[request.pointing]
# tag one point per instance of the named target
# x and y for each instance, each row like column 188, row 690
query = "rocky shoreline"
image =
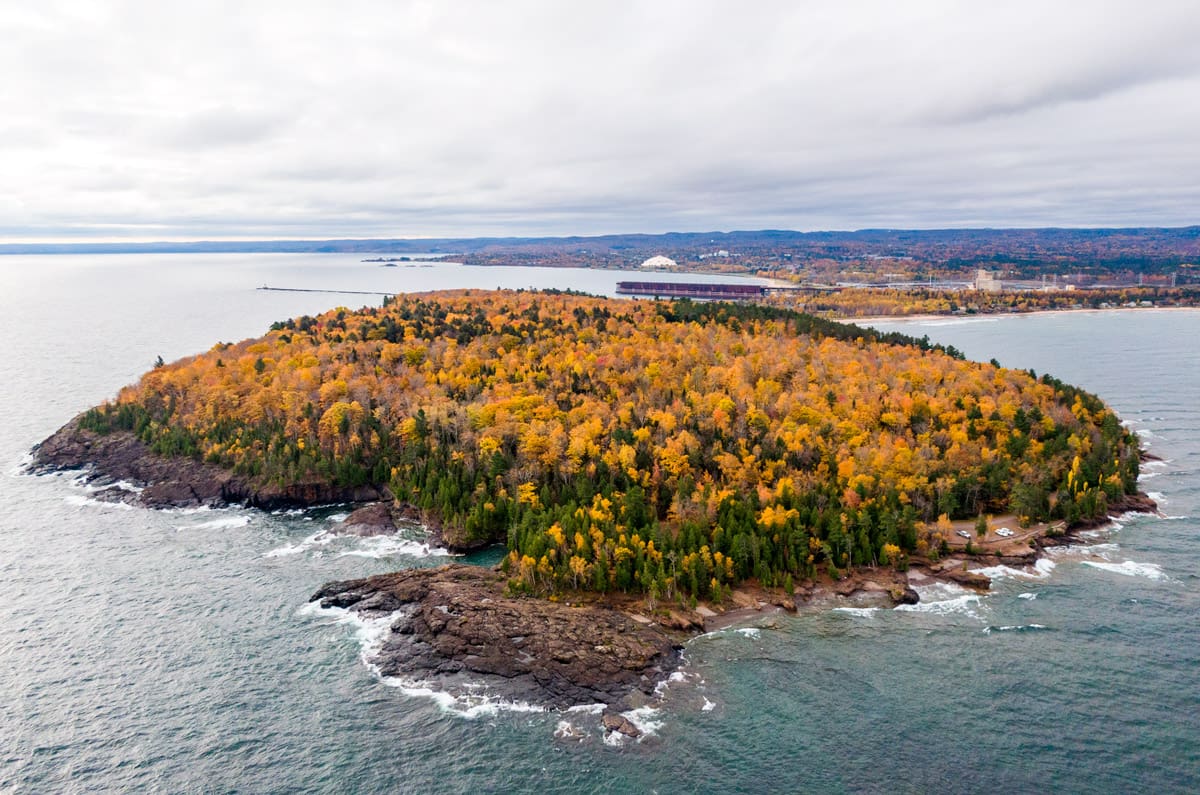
column 457, row 627
column 161, row 482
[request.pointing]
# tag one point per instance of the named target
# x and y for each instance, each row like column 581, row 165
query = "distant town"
column 848, row 274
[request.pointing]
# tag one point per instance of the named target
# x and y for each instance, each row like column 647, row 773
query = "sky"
column 212, row 120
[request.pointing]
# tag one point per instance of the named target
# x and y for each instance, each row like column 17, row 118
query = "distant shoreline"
column 925, row 318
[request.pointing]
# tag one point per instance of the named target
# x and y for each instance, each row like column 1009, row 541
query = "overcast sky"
column 203, row 119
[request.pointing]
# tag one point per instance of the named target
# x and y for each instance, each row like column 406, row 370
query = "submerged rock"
column 455, row 625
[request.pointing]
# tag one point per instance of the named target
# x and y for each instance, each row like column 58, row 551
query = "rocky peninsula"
column 456, row 625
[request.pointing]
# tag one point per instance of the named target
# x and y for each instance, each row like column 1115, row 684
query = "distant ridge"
column 1135, row 246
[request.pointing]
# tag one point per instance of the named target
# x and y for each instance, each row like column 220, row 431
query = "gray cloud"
column 391, row 118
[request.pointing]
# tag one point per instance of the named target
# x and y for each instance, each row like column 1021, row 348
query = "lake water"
column 174, row 652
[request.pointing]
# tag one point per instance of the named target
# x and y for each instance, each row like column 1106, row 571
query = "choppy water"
column 172, row 651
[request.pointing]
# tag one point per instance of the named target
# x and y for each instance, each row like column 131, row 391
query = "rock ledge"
column 454, row 625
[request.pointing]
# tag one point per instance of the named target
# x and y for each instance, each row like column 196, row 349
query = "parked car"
column 964, row 533
column 1004, row 531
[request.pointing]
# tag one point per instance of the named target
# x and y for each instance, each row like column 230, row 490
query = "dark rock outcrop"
column 968, row 579
column 456, row 540
column 174, row 482
column 375, row 519
column 454, row 625
column 616, row 722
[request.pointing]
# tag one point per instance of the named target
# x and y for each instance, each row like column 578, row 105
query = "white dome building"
column 659, row 262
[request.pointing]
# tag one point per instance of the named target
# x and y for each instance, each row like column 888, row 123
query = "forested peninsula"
column 666, row 453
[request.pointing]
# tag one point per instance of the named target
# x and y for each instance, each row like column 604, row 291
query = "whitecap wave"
column 470, row 706
column 944, row 599
column 317, row 539
column 565, row 730
column 390, row 546
column 81, row 480
column 1099, row 532
column 289, row 512
column 371, row 632
column 359, row 546
column 1027, row 595
column 81, row 501
column 1044, row 566
column 22, row 466
column 1040, row 570
column 1014, row 628
column 676, row 677
column 749, row 632
column 647, row 719
column 223, row 523
column 190, row 511
column 708, row 705
column 1130, row 568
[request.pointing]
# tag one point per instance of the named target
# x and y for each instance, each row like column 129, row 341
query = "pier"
column 315, row 290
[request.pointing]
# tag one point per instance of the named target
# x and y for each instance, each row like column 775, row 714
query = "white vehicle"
column 964, row 533
column 1004, row 531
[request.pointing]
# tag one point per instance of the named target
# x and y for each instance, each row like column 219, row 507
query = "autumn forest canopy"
column 670, row 449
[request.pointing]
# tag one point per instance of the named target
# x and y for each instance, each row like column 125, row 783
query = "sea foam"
column 81, row 501
column 318, row 539
column 385, row 546
column 372, row 631
column 223, row 523
column 22, row 466
column 944, row 599
column 389, row 546
column 1130, row 568
column 469, row 706
column 1015, row 628
column 1038, row 571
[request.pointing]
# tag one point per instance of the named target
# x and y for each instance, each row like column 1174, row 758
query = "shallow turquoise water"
column 171, row 651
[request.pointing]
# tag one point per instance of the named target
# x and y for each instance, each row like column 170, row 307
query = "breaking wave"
column 371, row 632
column 1038, row 571
column 1015, row 628
column 1130, row 568
column 944, row 599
